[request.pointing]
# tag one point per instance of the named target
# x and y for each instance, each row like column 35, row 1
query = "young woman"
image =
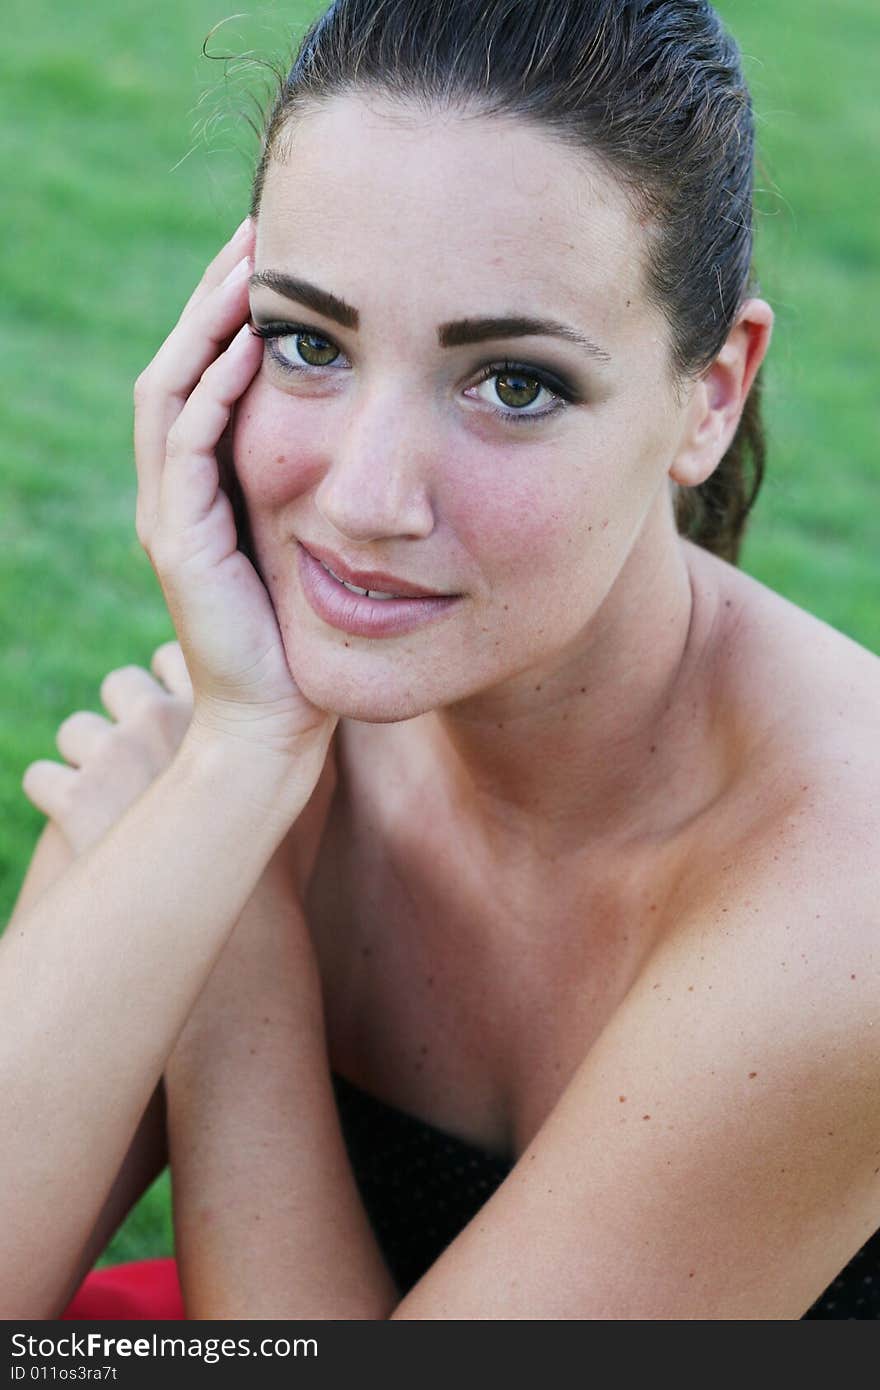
column 499, row 942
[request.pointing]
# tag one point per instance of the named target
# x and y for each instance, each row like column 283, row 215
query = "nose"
column 377, row 481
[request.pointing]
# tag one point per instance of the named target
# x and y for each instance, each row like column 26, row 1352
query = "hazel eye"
column 518, row 386
column 311, row 347
column 295, row 348
column 517, row 389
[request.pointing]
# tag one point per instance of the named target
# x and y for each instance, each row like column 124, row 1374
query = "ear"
column 717, row 401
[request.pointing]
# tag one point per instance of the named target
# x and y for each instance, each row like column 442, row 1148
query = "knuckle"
column 166, row 660
column 116, row 677
column 45, row 784
column 142, row 530
column 175, row 443
column 41, row 785
column 142, row 387
column 214, row 374
column 162, row 553
column 171, row 648
column 70, row 724
column 32, row 775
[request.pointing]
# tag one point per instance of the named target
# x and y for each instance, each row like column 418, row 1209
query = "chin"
column 382, row 700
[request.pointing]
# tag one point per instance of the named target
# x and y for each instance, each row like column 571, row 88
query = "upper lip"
column 377, row 580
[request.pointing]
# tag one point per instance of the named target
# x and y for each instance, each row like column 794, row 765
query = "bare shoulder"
column 802, row 826
column 788, row 666
column 804, row 697
column 781, row 913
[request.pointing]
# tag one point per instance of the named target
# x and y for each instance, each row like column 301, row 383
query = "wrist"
column 278, row 785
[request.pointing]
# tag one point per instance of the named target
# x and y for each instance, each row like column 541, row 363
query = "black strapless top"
column 420, row 1187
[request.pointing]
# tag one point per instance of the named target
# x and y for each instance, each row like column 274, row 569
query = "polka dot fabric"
column 420, row 1187
column 855, row 1293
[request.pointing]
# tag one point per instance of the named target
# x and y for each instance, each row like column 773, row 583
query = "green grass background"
column 125, row 161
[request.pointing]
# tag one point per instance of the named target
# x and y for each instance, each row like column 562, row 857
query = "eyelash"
column 565, row 396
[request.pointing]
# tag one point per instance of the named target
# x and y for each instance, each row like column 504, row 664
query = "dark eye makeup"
column 564, row 393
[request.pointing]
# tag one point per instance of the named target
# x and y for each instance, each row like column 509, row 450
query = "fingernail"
column 240, row 230
column 243, row 333
column 238, row 272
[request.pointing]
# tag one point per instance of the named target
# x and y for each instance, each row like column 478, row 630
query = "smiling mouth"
column 370, row 613
column 353, row 588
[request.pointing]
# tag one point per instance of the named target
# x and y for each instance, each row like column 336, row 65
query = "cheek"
column 521, row 525
column 275, row 459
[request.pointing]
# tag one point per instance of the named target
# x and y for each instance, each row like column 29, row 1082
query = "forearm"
column 268, row 1219
column 96, row 981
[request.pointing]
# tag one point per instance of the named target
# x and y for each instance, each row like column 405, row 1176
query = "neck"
column 616, row 740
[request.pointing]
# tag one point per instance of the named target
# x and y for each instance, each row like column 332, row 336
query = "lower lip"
column 362, row 616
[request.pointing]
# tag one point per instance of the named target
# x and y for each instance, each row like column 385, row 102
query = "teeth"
column 369, row 593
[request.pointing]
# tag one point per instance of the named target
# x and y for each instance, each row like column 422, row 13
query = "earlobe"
column 720, row 394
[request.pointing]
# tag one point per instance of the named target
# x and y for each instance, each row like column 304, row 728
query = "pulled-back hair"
column 652, row 89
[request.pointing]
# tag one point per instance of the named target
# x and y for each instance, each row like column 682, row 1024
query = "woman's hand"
column 111, row 762
column 242, row 685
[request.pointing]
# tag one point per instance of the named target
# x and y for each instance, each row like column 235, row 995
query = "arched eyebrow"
column 454, row 334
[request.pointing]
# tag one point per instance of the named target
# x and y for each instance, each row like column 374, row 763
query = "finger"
column 169, row 665
column 238, row 245
column 190, row 478
column 163, row 389
column 80, row 735
column 47, row 785
column 124, row 689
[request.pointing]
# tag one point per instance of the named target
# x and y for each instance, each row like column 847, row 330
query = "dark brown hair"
column 653, row 89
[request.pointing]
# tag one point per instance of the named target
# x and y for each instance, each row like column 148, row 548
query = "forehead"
column 448, row 208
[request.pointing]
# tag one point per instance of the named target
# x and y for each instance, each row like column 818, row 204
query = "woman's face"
column 383, row 444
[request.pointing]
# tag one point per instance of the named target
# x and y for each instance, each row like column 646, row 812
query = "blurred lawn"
column 125, row 163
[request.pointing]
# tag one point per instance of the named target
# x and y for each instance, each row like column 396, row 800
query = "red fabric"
column 144, row 1289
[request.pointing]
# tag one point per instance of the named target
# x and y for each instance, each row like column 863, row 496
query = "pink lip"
column 362, row 616
column 371, row 579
